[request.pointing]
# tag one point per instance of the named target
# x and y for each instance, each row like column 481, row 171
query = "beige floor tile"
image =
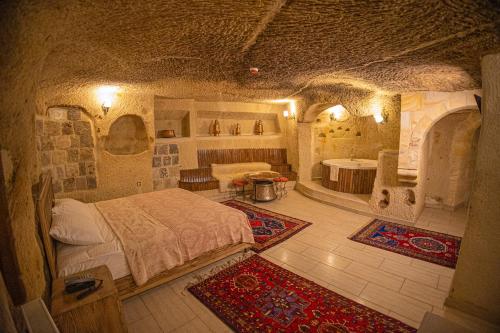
column 359, row 256
column 134, row 309
column 294, row 259
column 213, row 322
column 433, row 268
column 294, row 246
column 401, row 304
column 375, row 275
column 167, row 307
column 405, row 320
column 339, row 279
column 306, row 276
column 410, row 272
column 320, row 243
column 145, row 325
column 444, row 283
column 359, row 300
column 424, row 293
column 327, row 258
column 194, row 326
column 389, row 255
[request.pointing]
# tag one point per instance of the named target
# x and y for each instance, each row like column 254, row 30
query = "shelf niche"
column 176, row 120
column 228, row 121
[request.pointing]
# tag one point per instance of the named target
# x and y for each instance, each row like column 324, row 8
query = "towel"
column 334, row 173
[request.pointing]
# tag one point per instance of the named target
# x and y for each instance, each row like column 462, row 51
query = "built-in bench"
column 201, row 179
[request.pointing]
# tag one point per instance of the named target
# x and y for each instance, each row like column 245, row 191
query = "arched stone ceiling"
column 298, row 45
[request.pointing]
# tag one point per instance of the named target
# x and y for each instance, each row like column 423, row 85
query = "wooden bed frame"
column 125, row 285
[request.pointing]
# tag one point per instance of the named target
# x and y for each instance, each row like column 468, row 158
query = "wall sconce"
column 379, row 115
column 381, row 118
column 336, row 112
column 289, row 115
column 106, row 96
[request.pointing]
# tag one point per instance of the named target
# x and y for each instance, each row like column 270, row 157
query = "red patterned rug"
column 256, row 295
column 435, row 247
column 269, row 228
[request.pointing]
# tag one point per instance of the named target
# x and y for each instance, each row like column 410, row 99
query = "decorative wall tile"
column 66, row 149
column 165, row 166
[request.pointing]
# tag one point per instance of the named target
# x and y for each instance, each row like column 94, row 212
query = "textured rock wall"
column 391, row 198
column 476, row 287
column 419, row 112
column 357, row 136
column 451, row 160
column 340, row 139
column 56, row 51
column 127, row 136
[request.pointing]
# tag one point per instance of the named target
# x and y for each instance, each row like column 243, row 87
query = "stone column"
column 476, row 284
column 306, row 149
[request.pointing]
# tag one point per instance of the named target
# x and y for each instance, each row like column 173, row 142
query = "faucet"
column 351, row 155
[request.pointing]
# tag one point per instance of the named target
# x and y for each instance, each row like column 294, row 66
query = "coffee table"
column 263, row 185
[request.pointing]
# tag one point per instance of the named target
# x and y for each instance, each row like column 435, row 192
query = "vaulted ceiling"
column 394, row 45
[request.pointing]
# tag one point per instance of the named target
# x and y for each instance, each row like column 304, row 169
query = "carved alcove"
column 127, row 136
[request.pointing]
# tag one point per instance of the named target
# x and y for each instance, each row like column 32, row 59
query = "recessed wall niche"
column 65, row 146
column 127, row 136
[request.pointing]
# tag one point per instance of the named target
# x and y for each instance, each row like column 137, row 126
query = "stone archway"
column 419, row 112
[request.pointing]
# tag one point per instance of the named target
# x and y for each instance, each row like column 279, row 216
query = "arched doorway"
column 452, row 142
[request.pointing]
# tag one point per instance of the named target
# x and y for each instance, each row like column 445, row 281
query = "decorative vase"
column 259, row 127
column 216, row 128
column 237, row 130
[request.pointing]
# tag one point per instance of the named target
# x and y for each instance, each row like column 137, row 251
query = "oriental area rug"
column 256, row 295
column 435, row 247
column 269, row 228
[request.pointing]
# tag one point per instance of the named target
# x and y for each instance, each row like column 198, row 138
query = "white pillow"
column 73, row 223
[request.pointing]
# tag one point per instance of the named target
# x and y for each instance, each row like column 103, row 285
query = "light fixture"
column 291, row 112
column 336, row 112
column 289, row 115
column 106, row 96
column 379, row 118
column 378, row 112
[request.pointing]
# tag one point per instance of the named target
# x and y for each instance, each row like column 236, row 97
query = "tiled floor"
column 399, row 286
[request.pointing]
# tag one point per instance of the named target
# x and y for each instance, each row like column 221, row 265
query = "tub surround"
column 349, row 175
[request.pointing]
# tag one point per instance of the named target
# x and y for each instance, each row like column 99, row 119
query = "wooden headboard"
column 44, row 204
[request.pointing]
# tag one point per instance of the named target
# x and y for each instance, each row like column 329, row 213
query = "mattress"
column 76, row 258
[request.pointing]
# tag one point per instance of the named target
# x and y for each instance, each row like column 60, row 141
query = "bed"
column 196, row 236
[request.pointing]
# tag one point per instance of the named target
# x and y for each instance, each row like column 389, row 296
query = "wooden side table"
column 99, row 312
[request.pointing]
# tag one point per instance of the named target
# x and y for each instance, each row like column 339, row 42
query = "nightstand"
column 99, row 312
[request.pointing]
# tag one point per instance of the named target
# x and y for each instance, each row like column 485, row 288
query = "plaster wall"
column 476, row 287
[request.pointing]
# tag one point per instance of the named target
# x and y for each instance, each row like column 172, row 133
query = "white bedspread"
column 157, row 231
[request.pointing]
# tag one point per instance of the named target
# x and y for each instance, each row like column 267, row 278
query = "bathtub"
column 350, row 176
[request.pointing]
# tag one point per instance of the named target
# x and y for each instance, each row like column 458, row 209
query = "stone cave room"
column 250, row 166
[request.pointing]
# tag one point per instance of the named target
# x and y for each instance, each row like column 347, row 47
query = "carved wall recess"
column 127, row 136
column 410, row 197
column 386, row 200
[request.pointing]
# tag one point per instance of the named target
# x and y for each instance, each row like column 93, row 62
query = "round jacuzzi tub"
column 349, row 175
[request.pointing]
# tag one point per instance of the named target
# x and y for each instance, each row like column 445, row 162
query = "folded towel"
column 334, row 173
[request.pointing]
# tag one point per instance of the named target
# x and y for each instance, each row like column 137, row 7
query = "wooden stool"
column 280, row 183
column 239, row 187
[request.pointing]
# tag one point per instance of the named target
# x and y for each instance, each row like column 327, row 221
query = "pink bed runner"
column 163, row 229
